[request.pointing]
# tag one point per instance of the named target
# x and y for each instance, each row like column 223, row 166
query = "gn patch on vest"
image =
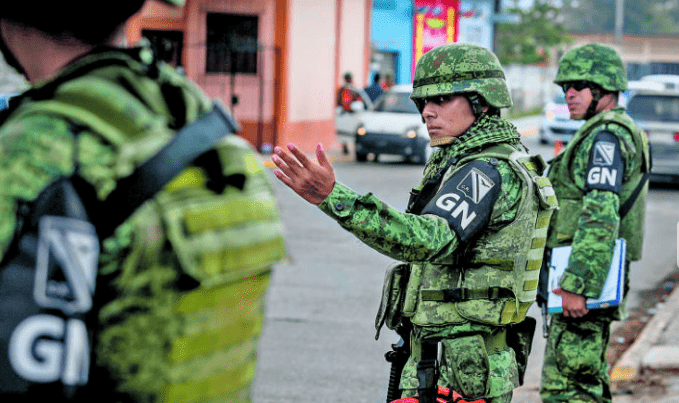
column 466, row 200
column 605, row 169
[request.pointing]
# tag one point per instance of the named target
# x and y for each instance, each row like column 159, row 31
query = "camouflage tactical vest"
column 564, row 222
column 179, row 298
column 494, row 279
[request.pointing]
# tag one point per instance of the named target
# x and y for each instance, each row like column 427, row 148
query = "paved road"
column 318, row 340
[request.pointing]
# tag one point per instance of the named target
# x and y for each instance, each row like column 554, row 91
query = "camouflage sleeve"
column 33, row 153
column 409, row 237
column 599, row 221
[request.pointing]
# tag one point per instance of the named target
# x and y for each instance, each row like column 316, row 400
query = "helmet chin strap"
column 596, row 97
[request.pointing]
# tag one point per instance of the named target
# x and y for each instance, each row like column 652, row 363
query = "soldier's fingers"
column 284, row 178
column 276, row 159
column 301, row 157
column 322, row 157
column 290, row 161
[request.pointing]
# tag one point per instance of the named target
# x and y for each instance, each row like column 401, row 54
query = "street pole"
column 619, row 18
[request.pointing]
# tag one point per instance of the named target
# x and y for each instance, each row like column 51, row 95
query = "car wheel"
column 361, row 157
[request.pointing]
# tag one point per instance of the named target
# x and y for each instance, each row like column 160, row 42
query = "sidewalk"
column 648, row 371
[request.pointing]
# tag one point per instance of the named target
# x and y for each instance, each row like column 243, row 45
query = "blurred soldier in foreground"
column 471, row 240
column 137, row 233
column 600, row 182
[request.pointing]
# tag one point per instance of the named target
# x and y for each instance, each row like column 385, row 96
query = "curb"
column 628, row 367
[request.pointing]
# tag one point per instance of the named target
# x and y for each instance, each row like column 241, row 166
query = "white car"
column 657, row 113
column 347, row 122
column 393, row 127
column 669, row 81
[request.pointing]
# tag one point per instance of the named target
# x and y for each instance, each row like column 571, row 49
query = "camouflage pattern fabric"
column 592, row 223
column 414, row 238
column 469, row 364
column 593, row 62
column 575, row 368
column 181, row 284
column 460, row 68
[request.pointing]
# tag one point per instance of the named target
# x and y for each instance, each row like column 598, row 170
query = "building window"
column 168, row 45
column 231, row 43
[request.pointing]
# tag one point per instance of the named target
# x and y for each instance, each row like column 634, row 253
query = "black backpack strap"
column 149, row 178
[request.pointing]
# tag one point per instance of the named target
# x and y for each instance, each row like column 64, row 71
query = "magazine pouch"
column 393, row 295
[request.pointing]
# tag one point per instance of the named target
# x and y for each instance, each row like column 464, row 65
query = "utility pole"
column 619, row 18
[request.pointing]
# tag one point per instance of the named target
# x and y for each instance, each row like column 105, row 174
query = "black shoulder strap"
column 627, row 206
column 150, row 177
column 419, row 199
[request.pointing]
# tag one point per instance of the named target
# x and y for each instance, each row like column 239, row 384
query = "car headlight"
column 412, row 132
column 550, row 115
column 361, row 131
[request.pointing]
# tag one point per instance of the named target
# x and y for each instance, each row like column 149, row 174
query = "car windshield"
column 397, row 102
column 654, row 108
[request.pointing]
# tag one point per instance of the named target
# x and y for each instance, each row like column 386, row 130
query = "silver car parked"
column 657, row 113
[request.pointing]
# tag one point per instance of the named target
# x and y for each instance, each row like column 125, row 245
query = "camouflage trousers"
column 575, row 369
column 474, row 361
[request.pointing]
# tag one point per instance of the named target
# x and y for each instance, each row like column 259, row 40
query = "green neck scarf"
column 486, row 131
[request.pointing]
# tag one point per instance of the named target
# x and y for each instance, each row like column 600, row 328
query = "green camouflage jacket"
column 589, row 219
column 419, row 239
column 180, row 286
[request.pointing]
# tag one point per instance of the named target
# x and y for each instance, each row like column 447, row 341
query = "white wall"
column 311, row 59
column 352, row 41
column 530, row 86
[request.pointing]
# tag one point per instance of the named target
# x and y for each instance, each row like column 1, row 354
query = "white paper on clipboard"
column 612, row 292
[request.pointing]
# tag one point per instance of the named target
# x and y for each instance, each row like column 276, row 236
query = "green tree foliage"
column 530, row 41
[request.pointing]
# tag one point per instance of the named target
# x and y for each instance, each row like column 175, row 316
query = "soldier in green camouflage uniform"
column 180, row 284
column 472, row 236
column 594, row 177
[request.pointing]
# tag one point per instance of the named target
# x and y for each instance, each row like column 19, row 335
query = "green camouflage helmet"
column 593, row 62
column 461, row 68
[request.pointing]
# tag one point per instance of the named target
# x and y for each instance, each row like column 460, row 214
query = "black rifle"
column 398, row 356
column 543, row 290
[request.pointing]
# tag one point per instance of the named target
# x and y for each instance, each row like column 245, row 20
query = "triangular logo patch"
column 475, row 185
column 66, row 266
column 603, row 153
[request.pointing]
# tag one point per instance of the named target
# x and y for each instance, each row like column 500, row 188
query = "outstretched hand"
column 312, row 181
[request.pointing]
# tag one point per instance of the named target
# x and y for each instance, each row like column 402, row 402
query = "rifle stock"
column 398, row 356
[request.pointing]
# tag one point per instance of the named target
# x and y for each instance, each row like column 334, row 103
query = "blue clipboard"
column 612, row 292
